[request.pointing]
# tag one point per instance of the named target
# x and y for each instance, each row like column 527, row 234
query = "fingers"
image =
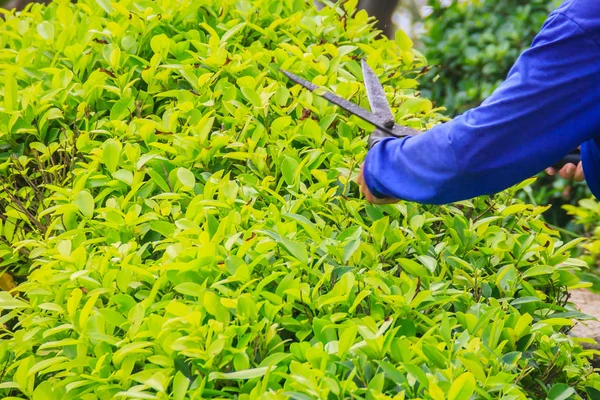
column 364, row 189
column 360, row 179
column 385, row 201
column 568, row 171
column 579, row 177
column 374, row 200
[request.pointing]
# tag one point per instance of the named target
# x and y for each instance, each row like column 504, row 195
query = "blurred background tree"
column 381, row 10
column 19, row 5
column 473, row 44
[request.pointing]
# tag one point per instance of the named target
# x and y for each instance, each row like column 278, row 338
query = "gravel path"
column 588, row 303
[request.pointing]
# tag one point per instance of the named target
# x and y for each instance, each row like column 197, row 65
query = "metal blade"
column 376, row 94
column 345, row 104
column 382, row 123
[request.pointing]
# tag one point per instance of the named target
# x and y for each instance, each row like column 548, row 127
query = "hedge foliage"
column 183, row 222
column 586, row 213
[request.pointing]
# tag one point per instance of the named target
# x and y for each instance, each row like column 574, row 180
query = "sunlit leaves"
column 85, row 203
column 191, row 227
column 462, row 388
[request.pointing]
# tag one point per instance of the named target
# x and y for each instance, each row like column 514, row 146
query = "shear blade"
column 368, row 116
column 376, row 94
column 382, row 117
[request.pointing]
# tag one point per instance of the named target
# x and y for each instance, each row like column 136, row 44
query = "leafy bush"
column 557, row 192
column 473, row 44
column 189, row 226
column 586, row 213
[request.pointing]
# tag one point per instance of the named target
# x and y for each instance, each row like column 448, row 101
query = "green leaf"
column 289, row 169
column 312, row 130
column 85, row 203
column 418, row 373
column 186, row 177
column 525, row 300
column 46, row 30
column 296, row 249
column 404, row 42
column 124, row 175
column 42, row 365
column 560, row 391
column 413, row 268
column 190, row 289
column 160, row 43
column 392, row 372
column 111, row 154
column 252, row 96
column 51, row 307
column 593, row 393
column 538, row 270
column 308, row 226
column 511, row 358
column 239, row 375
column 463, row 387
column 347, row 339
column 10, row 93
column 163, row 227
column 122, row 109
column 106, row 5
column 417, row 222
column 435, row 356
column 282, row 95
column 44, row 391
column 159, row 180
column 180, row 386
column 349, row 249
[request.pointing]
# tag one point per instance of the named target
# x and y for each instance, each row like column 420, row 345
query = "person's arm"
column 548, row 105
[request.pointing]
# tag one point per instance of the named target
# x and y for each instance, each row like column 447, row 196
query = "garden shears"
column 381, row 115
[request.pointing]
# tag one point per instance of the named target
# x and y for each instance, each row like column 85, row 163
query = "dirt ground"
column 588, row 303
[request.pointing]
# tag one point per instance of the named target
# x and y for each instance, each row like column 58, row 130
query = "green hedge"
column 586, row 213
column 185, row 223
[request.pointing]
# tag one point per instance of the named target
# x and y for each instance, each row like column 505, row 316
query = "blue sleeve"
column 548, row 105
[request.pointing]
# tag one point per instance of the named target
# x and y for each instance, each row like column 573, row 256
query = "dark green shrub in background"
column 471, row 46
column 186, row 224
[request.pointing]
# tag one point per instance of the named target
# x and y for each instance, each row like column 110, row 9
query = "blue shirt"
column 548, row 105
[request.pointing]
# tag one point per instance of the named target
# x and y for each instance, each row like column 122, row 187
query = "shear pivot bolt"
column 389, row 123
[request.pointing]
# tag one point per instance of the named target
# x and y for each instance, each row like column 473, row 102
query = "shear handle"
column 571, row 158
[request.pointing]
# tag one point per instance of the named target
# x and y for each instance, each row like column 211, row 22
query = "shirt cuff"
column 590, row 156
column 370, row 168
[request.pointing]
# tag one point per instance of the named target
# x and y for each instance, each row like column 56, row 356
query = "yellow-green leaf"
column 404, row 42
column 10, row 93
column 463, row 387
column 85, row 203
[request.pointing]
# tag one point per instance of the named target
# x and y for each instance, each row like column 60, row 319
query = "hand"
column 569, row 171
column 367, row 193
